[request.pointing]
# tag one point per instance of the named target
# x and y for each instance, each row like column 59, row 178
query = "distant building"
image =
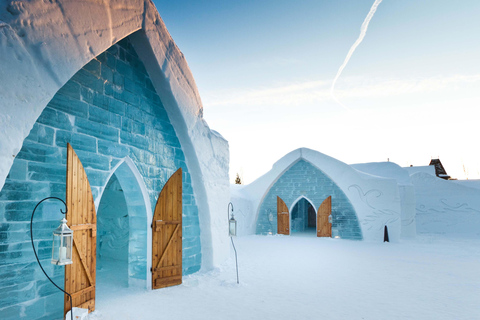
column 439, row 169
column 309, row 192
column 435, row 167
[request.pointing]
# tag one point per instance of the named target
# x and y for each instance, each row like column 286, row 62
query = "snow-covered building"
column 108, row 79
column 445, row 206
column 405, row 188
column 299, row 185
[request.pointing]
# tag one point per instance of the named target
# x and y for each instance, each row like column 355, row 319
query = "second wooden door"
column 324, row 227
column 167, row 235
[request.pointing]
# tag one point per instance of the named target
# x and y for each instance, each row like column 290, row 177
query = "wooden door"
column 167, row 235
column 283, row 217
column 81, row 217
column 324, row 228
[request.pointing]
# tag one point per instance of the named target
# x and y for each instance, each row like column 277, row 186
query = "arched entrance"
column 123, row 233
column 112, row 239
column 303, row 217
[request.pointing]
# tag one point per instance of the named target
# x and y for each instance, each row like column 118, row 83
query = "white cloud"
column 314, row 92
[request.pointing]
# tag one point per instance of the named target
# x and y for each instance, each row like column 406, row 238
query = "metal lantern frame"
column 63, row 236
column 64, row 224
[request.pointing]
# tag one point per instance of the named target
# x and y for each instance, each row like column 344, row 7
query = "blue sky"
column 264, row 70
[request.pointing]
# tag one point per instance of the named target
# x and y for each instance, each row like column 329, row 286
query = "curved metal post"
column 35, row 252
column 231, row 238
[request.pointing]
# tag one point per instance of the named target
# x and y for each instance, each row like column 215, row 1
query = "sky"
column 264, row 70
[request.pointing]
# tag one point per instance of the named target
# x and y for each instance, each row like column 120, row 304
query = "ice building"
column 307, row 191
column 107, row 80
column 406, row 191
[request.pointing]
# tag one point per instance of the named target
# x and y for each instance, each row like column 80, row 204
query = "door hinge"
column 151, row 270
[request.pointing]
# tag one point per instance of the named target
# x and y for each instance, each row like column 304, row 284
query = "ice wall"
column 44, row 43
column 446, row 207
column 111, row 114
column 303, row 179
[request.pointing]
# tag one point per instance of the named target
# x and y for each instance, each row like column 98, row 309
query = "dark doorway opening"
column 304, row 217
column 112, row 239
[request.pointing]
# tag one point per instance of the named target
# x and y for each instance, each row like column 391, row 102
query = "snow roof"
column 386, row 170
column 425, row 169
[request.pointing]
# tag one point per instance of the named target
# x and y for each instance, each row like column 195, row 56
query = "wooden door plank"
column 84, row 262
column 167, row 234
column 80, row 275
column 324, row 228
column 168, row 246
column 283, row 217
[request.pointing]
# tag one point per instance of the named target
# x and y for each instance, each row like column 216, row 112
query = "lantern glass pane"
column 69, row 246
column 55, row 246
column 232, row 230
column 62, row 245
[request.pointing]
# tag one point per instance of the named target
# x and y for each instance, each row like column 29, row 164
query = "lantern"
column 232, row 226
column 62, row 244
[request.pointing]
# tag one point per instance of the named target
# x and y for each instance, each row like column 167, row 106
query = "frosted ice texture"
column 107, row 111
column 303, row 179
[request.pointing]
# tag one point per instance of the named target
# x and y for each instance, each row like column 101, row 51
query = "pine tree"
column 238, row 180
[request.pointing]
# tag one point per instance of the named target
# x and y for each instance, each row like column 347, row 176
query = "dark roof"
column 439, row 169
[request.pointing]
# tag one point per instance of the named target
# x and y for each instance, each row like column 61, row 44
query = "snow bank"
column 376, row 200
column 43, row 44
column 446, row 207
column 287, row 278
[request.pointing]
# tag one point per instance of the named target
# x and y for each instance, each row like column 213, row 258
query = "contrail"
column 363, row 31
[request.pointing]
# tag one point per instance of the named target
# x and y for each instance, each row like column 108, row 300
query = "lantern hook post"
column 231, row 238
column 35, row 252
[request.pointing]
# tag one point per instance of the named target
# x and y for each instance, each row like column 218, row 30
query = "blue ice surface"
column 107, row 111
column 303, row 179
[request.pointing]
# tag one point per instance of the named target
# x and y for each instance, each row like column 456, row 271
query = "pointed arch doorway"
column 112, row 239
column 303, row 217
column 123, row 232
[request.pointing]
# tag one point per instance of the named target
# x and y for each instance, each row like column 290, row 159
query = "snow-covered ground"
column 304, row 277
